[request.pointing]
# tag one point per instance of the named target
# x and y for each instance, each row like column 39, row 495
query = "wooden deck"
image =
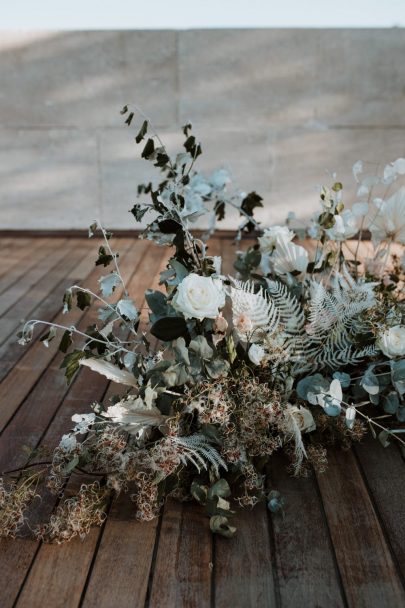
column 342, row 539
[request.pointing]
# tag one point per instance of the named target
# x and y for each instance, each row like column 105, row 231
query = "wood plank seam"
column 380, row 519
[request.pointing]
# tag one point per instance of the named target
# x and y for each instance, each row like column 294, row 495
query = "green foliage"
column 71, row 364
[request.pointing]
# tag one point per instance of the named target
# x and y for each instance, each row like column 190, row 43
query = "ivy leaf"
column 129, row 119
column 49, row 336
column 83, row 299
column 250, row 202
column 66, row 341
column 219, row 210
column 138, row 211
column 148, row 150
column 162, row 159
column 169, row 226
column 186, row 128
column 142, row 132
column 67, row 301
column 169, row 328
column 109, row 283
column 71, row 364
column 104, row 258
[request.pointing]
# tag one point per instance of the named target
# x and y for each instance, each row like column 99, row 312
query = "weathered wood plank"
column 23, row 308
column 183, row 567
column 384, row 470
column 81, row 552
column 10, row 351
column 368, row 572
column 304, row 555
column 86, row 388
column 243, row 566
column 18, row 383
column 121, row 570
column 40, row 269
column 134, row 571
column 26, row 259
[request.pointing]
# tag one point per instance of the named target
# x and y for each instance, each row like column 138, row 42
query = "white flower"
column 392, row 342
column 256, row 354
column 199, row 297
column 302, row 417
column 68, row 443
column 273, row 235
column 289, row 257
column 84, row 422
column 389, row 221
column 345, row 226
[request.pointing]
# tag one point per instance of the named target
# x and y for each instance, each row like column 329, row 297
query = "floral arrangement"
column 303, row 348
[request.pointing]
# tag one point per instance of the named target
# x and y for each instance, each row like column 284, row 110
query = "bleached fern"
column 292, row 319
column 252, row 309
column 199, row 451
column 334, row 320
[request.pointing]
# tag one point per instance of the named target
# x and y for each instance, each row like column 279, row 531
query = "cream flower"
column 256, row 354
column 199, row 297
column 302, row 417
column 273, row 235
column 243, row 324
column 389, row 221
column 392, row 342
column 289, row 257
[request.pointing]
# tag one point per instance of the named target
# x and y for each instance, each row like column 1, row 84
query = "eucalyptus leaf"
column 219, row 524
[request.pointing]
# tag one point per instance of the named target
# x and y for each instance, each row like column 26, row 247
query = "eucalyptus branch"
column 107, row 304
column 154, row 131
column 71, row 329
column 114, row 257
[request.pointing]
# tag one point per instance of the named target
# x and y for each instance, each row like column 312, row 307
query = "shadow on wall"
column 277, row 107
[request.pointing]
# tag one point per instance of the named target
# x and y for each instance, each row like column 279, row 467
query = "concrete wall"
column 278, row 107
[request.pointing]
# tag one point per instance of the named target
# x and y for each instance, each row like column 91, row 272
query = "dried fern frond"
column 199, row 451
column 253, row 312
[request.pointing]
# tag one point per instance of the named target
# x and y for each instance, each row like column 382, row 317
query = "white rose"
column 302, row 416
column 392, row 342
column 272, row 236
column 199, row 297
column 256, row 354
